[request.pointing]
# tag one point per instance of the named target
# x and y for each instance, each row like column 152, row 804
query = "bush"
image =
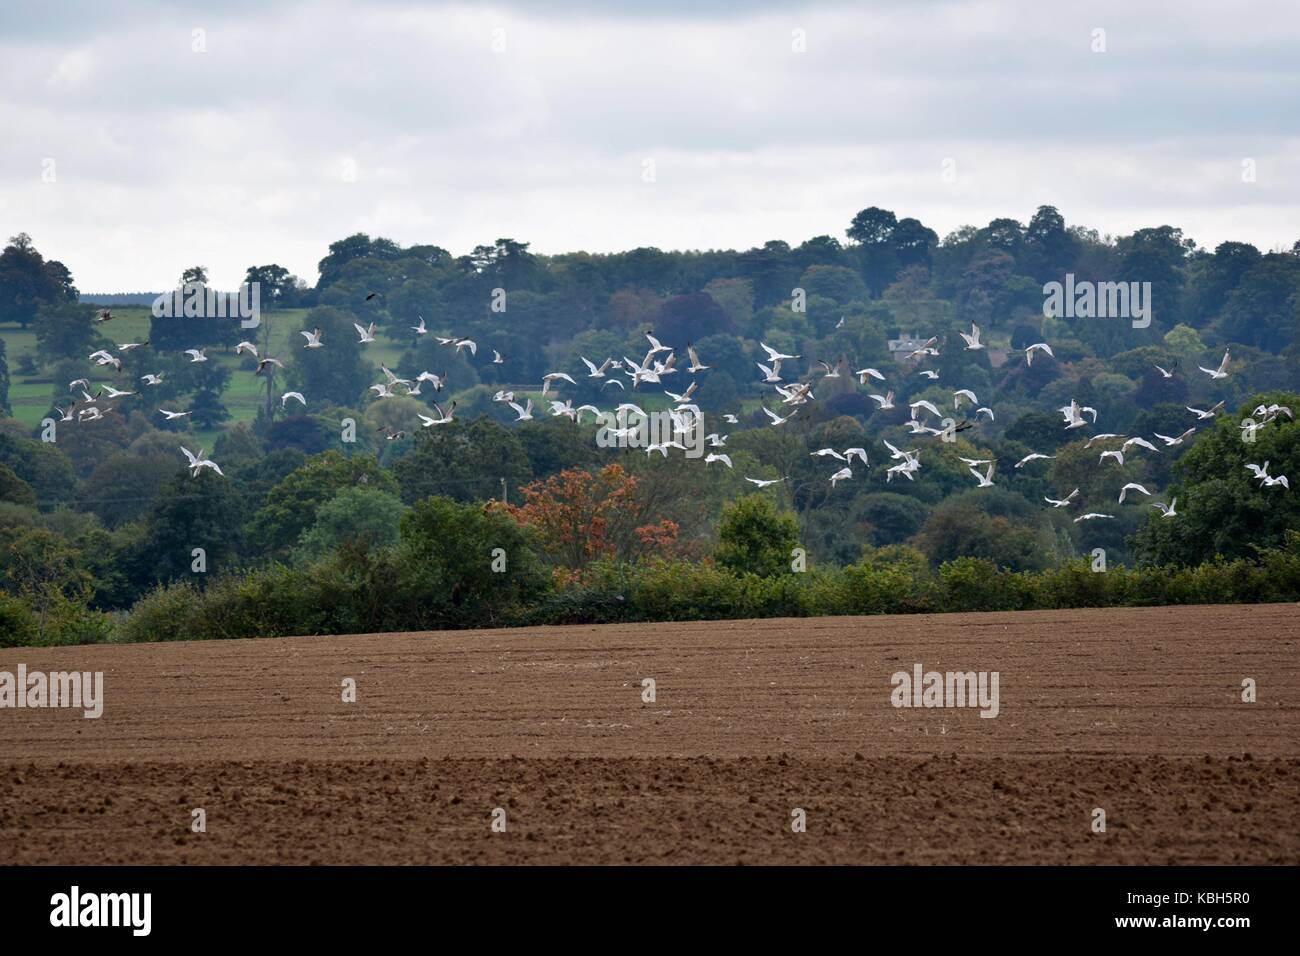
column 755, row 537
column 973, row 584
column 164, row 614
column 879, row 587
column 17, row 623
column 64, row 621
column 441, row 576
column 463, row 565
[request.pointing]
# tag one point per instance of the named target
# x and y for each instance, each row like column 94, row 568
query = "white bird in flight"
column 655, row 345
column 1032, row 456
column 1172, row 442
column 1037, row 347
column 777, row 419
column 443, row 417
column 1062, row 502
column 1132, row 486
column 592, row 370
column 986, row 479
column 1140, row 442
column 696, row 365
column 198, row 462
column 1221, row 371
column 972, row 340
column 550, row 377
column 773, row 355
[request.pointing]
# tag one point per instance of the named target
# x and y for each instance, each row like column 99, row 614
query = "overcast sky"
column 306, row 122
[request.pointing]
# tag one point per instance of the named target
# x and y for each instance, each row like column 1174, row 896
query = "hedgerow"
column 404, row 589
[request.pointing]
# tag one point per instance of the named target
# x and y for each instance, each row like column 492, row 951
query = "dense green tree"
column 836, row 283
column 44, row 568
column 41, row 464
column 338, row 372
column 1213, row 277
column 688, row 318
column 891, row 518
column 464, row 564
column 290, row 507
column 4, row 382
column 207, row 410
column 1262, row 309
column 123, row 486
column 1222, row 508
column 963, row 527
column 13, row 488
column 1050, row 249
column 28, row 281
column 1039, row 431
column 755, row 537
column 360, row 515
column 463, row 461
column 189, row 513
column 278, row 288
column 66, row 331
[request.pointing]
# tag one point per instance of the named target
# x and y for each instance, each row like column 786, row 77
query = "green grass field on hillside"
column 31, row 396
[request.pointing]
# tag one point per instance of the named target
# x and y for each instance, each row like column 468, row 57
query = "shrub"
column 17, row 623
column 755, row 537
column 892, row 580
column 463, row 565
column 973, row 584
column 441, row 576
column 58, row 620
column 164, row 614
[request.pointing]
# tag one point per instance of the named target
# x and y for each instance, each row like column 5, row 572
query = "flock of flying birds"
column 685, row 416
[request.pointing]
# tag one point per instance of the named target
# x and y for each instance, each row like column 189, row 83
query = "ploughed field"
column 1136, row 712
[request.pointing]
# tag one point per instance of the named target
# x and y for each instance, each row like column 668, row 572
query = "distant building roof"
column 900, row 347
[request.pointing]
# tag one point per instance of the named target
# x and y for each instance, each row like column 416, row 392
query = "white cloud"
column 235, row 156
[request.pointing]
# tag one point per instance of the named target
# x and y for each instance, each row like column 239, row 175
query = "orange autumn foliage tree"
column 578, row 517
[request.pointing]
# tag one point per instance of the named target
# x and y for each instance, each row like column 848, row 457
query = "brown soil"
column 1135, row 711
